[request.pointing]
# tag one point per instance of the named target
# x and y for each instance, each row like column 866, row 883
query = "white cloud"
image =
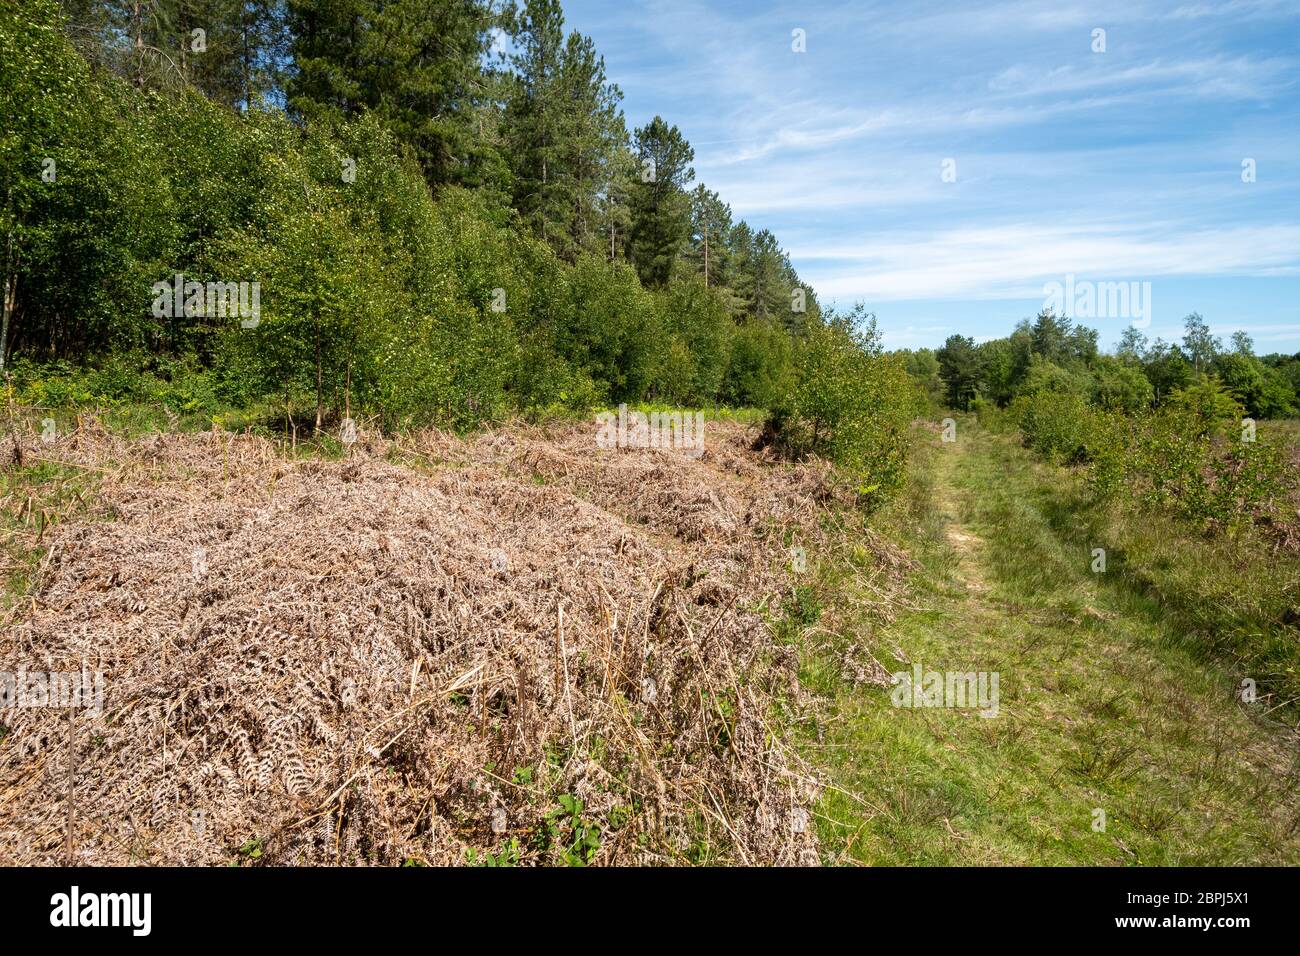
column 1226, row 77
column 1015, row 261
column 1123, row 165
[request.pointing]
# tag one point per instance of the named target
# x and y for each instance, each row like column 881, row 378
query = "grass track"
column 1104, row 704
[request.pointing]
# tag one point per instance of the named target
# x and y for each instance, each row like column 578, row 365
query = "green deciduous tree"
column 1201, row 347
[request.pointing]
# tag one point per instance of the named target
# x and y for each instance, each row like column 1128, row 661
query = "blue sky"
column 1115, row 166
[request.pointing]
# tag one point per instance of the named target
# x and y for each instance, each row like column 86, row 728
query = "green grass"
column 33, row 499
column 1106, row 703
column 1287, row 429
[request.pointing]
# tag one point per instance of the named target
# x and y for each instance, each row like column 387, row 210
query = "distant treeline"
column 433, row 207
column 1160, row 424
column 1054, row 355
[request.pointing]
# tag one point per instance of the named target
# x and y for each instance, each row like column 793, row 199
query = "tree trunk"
column 8, row 295
column 318, row 384
column 248, row 83
column 706, row 257
column 347, row 389
column 138, row 23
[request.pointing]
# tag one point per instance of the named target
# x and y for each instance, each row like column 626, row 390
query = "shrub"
column 988, row 414
column 759, row 370
column 1056, row 424
column 697, row 317
column 1044, row 377
column 849, row 404
column 1171, row 459
column 1121, row 387
column 613, row 329
column 1211, row 408
column 1251, row 483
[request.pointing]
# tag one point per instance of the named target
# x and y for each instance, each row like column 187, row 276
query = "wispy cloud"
column 1015, row 261
column 1238, row 77
column 1112, row 165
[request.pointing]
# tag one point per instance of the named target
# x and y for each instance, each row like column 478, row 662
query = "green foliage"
column 959, row 368
column 612, row 330
column 1044, row 376
column 386, row 287
column 923, row 366
column 1051, row 354
column 697, row 318
column 760, row 371
column 566, row 831
column 661, row 209
column 1198, row 344
column 1261, row 389
column 990, row 416
column 377, row 295
column 564, row 129
column 1120, row 386
column 762, row 279
column 1211, row 409
column 250, row 851
column 798, row 612
column 1050, row 338
column 509, row 855
column 1000, row 368
column 1192, row 457
column 850, row 404
column 120, row 379
column 1205, row 471
column 711, row 225
column 1058, row 424
column 415, row 65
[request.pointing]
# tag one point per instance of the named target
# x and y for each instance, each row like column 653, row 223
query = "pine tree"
column 661, row 209
column 595, row 137
column 534, row 124
column 416, row 63
column 565, row 130
column 959, row 367
column 613, row 205
column 710, row 228
column 246, row 46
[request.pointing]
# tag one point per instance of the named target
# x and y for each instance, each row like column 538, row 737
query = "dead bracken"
column 429, row 651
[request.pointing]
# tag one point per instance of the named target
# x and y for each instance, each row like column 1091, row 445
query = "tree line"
column 1169, row 426
column 494, row 98
column 536, row 134
column 444, row 212
column 1053, row 354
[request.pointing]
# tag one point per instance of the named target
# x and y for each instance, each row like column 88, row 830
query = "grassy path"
column 1102, row 710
